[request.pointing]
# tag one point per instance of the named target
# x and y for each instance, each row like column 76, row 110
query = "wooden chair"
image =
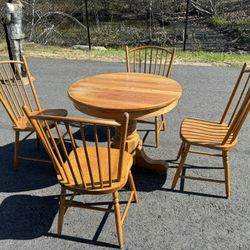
column 16, row 91
column 151, row 60
column 220, row 135
column 97, row 169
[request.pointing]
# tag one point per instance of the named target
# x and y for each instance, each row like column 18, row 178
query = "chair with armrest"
column 151, row 60
column 16, row 91
column 86, row 169
column 220, row 135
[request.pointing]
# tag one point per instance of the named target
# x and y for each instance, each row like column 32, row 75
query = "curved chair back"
column 238, row 105
column 76, row 163
column 150, row 59
column 17, row 90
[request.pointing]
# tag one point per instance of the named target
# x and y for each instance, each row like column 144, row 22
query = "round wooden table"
column 141, row 95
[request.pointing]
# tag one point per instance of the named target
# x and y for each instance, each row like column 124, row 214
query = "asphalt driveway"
column 197, row 217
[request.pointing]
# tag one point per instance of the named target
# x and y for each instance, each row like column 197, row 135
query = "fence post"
column 87, row 22
column 186, row 24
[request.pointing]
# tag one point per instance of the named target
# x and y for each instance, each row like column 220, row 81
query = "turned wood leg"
column 157, row 132
column 118, row 219
column 227, row 172
column 16, row 150
column 132, row 185
column 180, row 167
column 61, row 211
column 180, row 151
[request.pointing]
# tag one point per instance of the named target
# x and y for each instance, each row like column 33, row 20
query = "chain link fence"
column 221, row 25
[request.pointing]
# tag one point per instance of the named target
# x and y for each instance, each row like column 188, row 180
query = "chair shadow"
column 30, row 175
column 147, row 131
column 182, row 181
column 93, row 241
column 149, row 181
column 82, row 240
column 26, row 217
column 181, row 191
column 190, row 166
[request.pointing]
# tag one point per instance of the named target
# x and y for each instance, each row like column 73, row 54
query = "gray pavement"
column 199, row 217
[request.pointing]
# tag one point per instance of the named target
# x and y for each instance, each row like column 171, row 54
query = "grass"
column 118, row 55
column 219, row 21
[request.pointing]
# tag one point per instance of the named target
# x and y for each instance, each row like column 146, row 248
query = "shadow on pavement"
column 147, row 180
column 30, row 175
column 93, row 241
column 82, row 240
column 89, row 133
column 182, row 181
column 26, row 217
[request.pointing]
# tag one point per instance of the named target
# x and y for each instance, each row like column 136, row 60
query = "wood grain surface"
column 125, row 92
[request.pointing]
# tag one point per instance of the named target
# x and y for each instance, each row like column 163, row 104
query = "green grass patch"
column 217, row 21
column 214, row 58
column 118, row 55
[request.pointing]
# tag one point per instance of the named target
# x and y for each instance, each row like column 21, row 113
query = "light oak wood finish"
column 221, row 135
column 87, row 169
column 16, row 91
column 141, row 95
column 152, row 60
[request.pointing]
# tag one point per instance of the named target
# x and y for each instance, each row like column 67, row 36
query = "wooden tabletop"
column 115, row 93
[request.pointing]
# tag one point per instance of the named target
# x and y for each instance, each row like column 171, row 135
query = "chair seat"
column 103, row 153
column 205, row 133
column 24, row 124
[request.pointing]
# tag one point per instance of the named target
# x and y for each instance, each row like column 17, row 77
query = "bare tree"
column 209, row 7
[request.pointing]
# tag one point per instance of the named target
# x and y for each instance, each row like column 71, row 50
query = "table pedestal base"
column 142, row 160
column 135, row 147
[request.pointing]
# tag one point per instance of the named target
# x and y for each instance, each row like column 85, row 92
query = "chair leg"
column 118, row 219
column 132, row 185
column 180, row 151
column 163, row 119
column 61, row 211
column 157, row 132
column 180, row 167
column 16, row 150
column 227, row 172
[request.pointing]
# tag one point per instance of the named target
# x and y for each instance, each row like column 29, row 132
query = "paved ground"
column 199, row 217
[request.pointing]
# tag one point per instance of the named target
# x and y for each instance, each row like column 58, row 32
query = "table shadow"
column 147, row 180
column 89, row 133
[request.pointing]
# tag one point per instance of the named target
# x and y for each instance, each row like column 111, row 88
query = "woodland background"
column 213, row 25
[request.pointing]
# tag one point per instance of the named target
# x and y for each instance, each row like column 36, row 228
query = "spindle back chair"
column 220, row 135
column 17, row 89
column 86, row 169
column 151, row 60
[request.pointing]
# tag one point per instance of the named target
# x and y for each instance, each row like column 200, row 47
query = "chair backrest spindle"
column 88, row 166
column 241, row 108
column 17, row 90
column 150, row 59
